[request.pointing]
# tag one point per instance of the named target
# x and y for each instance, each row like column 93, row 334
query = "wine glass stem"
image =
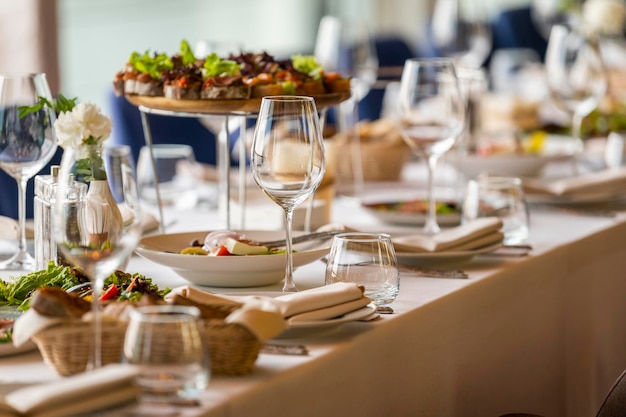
column 430, row 226
column 97, row 285
column 289, row 286
column 577, row 120
column 21, row 213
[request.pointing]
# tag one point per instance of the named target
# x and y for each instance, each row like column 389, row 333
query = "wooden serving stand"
column 205, row 108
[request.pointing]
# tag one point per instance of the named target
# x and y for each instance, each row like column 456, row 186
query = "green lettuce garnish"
column 186, row 53
column 308, row 65
column 215, row 66
column 152, row 65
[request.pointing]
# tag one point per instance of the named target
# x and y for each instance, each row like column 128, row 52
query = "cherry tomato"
column 111, row 293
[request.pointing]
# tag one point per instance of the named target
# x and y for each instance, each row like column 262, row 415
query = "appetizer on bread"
column 185, row 76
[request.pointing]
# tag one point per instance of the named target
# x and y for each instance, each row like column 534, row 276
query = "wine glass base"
column 21, row 261
column 289, row 288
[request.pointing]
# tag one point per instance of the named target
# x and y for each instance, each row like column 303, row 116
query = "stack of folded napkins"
column 103, row 388
column 322, row 303
column 608, row 181
column 476, row 234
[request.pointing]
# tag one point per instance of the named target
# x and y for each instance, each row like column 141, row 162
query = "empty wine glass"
column 91, row 230
column 287, row 159
column 546, row 14
column 459, row 31
column 27, row 143
column 575, row 75
column 432, row 116
column 347, row 47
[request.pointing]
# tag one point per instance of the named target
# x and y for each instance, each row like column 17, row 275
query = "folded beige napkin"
column 475, row 234
column 608, row 181
column 322, row 303
column 105, row 387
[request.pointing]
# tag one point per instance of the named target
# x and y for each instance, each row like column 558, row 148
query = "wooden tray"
column 222, row 107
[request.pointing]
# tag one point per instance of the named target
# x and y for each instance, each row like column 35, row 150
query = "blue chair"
column 128, row 130
column 515, row 28
column 391, row 51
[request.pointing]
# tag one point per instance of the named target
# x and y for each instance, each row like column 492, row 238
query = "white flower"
column 605, row 16
column 83, row 122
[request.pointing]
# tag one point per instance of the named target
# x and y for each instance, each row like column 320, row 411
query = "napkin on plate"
column 105, row 387
column 608, row 181
column 475, row 234
column 322, row 303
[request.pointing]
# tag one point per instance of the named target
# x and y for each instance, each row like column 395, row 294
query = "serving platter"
column 227, row 271
column 222, row 106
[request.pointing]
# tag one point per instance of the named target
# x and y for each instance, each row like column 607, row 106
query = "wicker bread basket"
column 67, row 347
column 383, row 152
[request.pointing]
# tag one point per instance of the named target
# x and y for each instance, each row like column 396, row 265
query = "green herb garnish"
column 59, row 105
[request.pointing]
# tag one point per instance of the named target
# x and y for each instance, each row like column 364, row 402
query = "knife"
column 302, row 238
column 434, row 273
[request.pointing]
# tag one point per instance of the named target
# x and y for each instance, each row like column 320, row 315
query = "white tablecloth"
column 542, row 334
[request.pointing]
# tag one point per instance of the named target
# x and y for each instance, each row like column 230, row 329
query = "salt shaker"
column 45, row 194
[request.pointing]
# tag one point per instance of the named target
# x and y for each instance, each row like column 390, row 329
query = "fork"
column 427, row 272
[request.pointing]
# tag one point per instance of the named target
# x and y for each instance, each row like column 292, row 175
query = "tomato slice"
column 111, row 293
column 221, row 251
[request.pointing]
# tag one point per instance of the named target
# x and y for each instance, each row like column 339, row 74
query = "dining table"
column 539, row 332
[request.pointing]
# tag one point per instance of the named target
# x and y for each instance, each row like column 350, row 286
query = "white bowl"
column 226, row 271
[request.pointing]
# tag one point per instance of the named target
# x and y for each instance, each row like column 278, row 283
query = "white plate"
column 7, row 349
column 226, row 271
column 393, row 216
column 446, row 257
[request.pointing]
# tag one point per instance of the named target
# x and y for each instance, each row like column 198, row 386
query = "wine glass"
column 287, row 159
column 347, row 47
column 575, row 75
column 460, row 33
column 545, row 14
column 432, row 116
column 27, row 143
column 98, row 253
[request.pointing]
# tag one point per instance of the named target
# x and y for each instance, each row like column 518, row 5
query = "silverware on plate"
column 302, row 238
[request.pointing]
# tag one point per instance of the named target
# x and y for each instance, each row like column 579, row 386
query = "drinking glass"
column 166, row 180
column 501, row 197
column 575, row 75
column 97, row 252
column 287, row 160
column 118, row 158
column 27, row 143
column 367, row 259
column 432, row 116
column 165, row 343
column 460, row 33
